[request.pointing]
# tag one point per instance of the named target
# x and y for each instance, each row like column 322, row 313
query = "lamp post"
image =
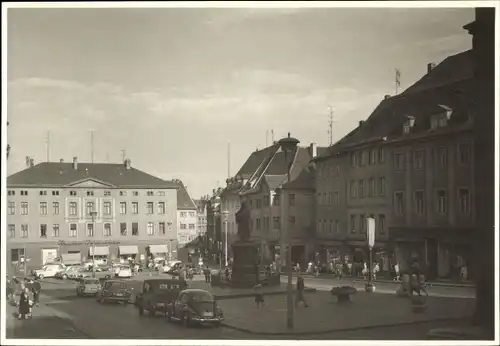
column 289, row 145
column 225, row 213
column 93, row 214
column 370, row 223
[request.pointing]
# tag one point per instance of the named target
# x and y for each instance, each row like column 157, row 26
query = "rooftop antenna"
column 272, row 136
column 398, row 80
column 330, row 125
column 47, row 142
column 124, row 154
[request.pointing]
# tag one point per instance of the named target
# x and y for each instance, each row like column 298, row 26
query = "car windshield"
column 124, row 268
column 201, row 297
column 92, row 282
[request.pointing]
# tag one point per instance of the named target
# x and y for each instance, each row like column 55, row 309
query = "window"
column 381, row 223
column 276, row 200
column 90, row 208
column 406, row 129
column 276, row 222
column 43, row 231
column 73, row 208
column 107, row 208
column 353, row 223
column 250, row 203
column 12, row 208
column 361, row 184
column 464, row 153
column 337, row 226
column 150, row 207
column 353, row 160
column 24, row 208
column 251, row 224
column 150, row 193
column 123, row 193
column 161, row 228
column 55, row 193
column 362, row 224
column 258, row 203
column 192, row 226
column 123, row 228
column 72, row 193
column 336, row 198
column 135, row 193
column 291, row 199
column 135, row 208
column 183, row 226
column 319, row 198
column 323, row 226
column 43, row 193
column 373, row 157
column 399, row 162
column 90, row 193
column 381, row 186
column 265, row 201
column 419, row 203
column 257, row 224
column 441, row 202
column 464, row 200
column 192, row 214
column 442, row 155
column 73, row 230
column 11, row 193
column 55, row 207
column 24, row 193
column 399, row 203
column 266, row 222
column 371, row 187
column 123, row 208
column 183, row 214
column 107, row 193
column 90, row 230
column 418, row 159
column 330, row 226
column 161, row 208
column 381, row 155
column 12, row 231
column 161, row 193
column 135, row 228
column 292, row 222
column 353, row 189
column 362, row 159
column 107, row 230
column 24, row 231
column 43, row 208
column 55, row 230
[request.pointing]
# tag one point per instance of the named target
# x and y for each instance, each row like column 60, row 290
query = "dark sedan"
column 195, row 307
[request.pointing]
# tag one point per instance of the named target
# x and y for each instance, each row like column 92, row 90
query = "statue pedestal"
column 245, row 268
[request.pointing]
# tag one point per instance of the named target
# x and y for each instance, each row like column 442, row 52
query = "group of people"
column 29, row 294
column 299, row 294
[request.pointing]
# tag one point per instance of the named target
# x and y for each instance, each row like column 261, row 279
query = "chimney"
column 61, row 160
column 313, row 149
column 386, row 97
column 32, row 162
column 430, row 67
column 361, row 122
column 411, row 121
column 75, row 162
column 127, row 163
column 28, row 159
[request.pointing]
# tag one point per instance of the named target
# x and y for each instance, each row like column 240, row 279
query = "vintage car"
column 114, row 291
column 156, row 294
column 88, row 287
column 48, row 271
column 65, row 273
column 195, row 306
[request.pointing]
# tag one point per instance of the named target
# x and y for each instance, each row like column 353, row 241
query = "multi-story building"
column 201, row 225
column 258, row 183
column 409, row 165
column 186, row 216
column 110, row 211
column 214, row 225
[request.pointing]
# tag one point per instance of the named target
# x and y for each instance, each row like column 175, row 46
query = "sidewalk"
column 324, row 315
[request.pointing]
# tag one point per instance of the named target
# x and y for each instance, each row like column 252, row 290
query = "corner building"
column 55, row 209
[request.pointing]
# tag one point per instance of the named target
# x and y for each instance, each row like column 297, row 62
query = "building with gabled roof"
column 409, row 166
column 57, row 209
column 187, row 215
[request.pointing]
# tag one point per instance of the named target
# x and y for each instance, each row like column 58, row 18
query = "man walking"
column 300, row 292
column 206, row 272
column 36, row 289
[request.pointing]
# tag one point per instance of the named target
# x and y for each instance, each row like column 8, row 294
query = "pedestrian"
column 397, row 272
column 206, row 272
column 226, row 274
column 10, row 291
column 36, row 289
column 299, row 297
column 310, row 267
column 463, row 272
column 24, row 303
column 364, row 272
column 376, row 269
column 349, row 268
column 259, row 297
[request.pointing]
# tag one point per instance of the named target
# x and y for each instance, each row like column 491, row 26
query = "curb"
column 338, row 330
column 430, row 284
column 250, row 295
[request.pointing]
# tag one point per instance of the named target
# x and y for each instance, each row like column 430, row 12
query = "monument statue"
column 243, row 221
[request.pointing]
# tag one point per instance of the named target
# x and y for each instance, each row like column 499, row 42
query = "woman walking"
column 24, row 304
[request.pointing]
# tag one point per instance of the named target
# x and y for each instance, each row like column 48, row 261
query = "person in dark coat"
column 206, row 272
column 24, row 304
column 259, row 297
column 299, row 297
column 36, row 289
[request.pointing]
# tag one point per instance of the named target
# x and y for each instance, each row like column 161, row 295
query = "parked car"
column 64, row 274
column 114, row 291
column 157, row 293
column 124, row 272
column 171, row 265
column 195, row 306
column 76, row 272
column 88, row 287
column 48, row 271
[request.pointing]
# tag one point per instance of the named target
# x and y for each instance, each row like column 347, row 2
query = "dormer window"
column 406, row 128
column 439, row 120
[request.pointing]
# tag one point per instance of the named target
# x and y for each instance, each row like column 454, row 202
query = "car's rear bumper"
column 207, row 320
column 116, row 299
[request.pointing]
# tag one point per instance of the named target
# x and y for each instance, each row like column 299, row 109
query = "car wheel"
column 40, row 276
column 64, row 277
column 107, row 277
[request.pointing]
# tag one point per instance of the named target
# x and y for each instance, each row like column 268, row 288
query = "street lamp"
column 225, row 213
column 289, row 145
column 370, row 223
column 93, row 214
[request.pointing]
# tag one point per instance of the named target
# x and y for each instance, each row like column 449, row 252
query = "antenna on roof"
column 47, row 142
column 123, row 155
column 398, row 80
column 272, row 136
column 330, row 125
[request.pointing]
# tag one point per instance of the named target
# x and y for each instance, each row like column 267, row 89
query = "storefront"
column 128, row 253
column 74, row 258
column 99, row 254
column 159, row 252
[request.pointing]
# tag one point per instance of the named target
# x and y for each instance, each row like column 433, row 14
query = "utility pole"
column 330, row 125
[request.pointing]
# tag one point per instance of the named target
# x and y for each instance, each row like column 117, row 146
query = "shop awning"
column 99, row 251
column 71, row 258
column 128, row 250
column 158, row 248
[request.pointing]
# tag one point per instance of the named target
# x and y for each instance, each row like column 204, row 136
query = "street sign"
column 370, row 223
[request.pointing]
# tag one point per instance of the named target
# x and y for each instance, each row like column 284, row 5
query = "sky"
column 172, row 87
